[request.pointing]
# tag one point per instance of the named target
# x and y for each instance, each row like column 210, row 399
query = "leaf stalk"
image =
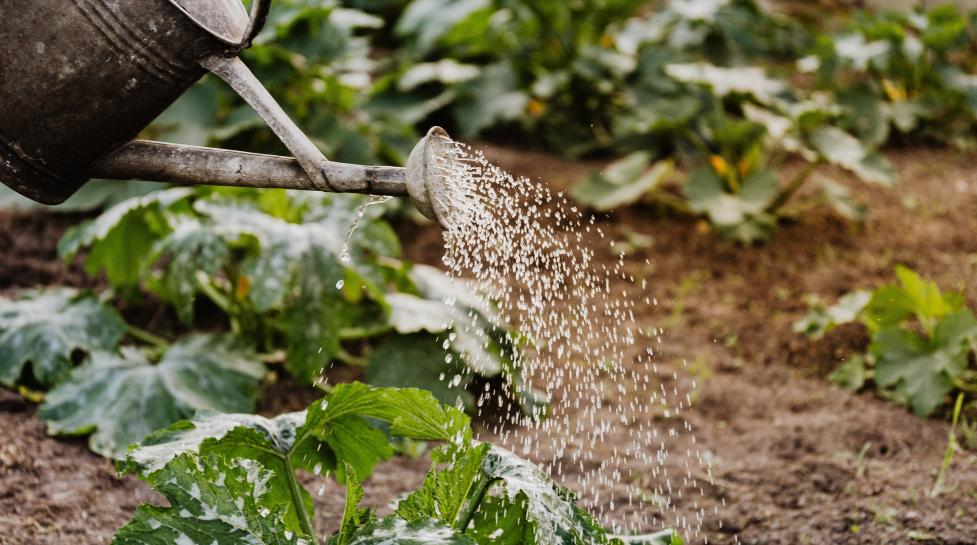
column 951, row 448
column 793, row 186
column 147, row 337
column 295, row 492
column 481, row 489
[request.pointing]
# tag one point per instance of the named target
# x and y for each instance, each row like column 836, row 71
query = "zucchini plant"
column 120, row 391
column 278, row 265
column 231, row 478
column 902, row 74
column 282, row 282
column 748, row 123
column 923, row 341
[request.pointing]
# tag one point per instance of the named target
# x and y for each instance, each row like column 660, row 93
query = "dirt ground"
column 795, row 460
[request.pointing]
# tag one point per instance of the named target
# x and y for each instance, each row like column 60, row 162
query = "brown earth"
column 794, row 459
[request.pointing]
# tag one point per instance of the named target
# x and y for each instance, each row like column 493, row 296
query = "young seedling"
column 922, row 341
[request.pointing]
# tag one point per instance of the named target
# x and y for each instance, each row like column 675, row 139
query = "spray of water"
column 344, row 255
column 531, row 253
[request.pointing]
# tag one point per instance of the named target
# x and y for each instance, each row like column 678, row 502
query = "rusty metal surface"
column 175, row 163
column 79, row 78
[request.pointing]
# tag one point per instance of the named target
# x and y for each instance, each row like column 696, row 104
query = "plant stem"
column 146, row 337
column 357, row 333
column 668, row 200
column 214, row 295
column 951, row 448
column 350, row 359
column 295, row 492
column 476, row 501
column 793, row 186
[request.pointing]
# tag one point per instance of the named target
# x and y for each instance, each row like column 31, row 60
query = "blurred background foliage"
column 724, row 91
column 735, row 87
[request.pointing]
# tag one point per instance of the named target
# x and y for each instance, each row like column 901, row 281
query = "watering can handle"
column 236, row 74
column 259, row 14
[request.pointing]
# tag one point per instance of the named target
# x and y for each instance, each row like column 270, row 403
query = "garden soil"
column 794, row 459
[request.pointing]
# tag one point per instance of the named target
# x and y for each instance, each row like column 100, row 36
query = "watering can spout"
column 422, row 180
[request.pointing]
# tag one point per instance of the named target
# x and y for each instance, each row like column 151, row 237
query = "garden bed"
column 795, row 460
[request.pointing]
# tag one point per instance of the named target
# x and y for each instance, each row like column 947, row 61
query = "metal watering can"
column 79, row 79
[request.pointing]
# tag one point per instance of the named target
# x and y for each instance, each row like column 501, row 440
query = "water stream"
column 344, row 255
column 612, row 423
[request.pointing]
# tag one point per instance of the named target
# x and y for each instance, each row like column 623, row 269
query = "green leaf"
column 121, row 238
column 839, row 198
column 858, row 52
column 354, row 518
column 551, row 510
column 396, row 531
column 493, row 98
column 821, row 319
column 329, row 436
column 306, row 436
column 927, row 299
column 502, row 521
column 474, row 328
column 620, row 183
column 850, row 375
column 867, row 115
column 742, row 216
column 446, row 491
column 664, row 537
column 921, row 371
column 445, row 71
column 428, row 20
column 888, row 308
column 44, row 328
column 915, row 295
column 525, row 507
column 410, row 412
column 189, row 248
column 418, row 361
column 844, row 150
column 451, row 306
column 295, row 270
column 741, row 80
column 120, row 398
column 213, row 500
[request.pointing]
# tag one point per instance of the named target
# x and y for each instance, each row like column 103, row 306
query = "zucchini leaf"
column 121, row 238
column 329, row 436
column 921, row 371
column 121, row 397
column 396, row 531
column 44, row 328
column 623, row 182
column 418, row 361
column 230, row 478
column 497, row 497
column 213, row 501
column 741, row 216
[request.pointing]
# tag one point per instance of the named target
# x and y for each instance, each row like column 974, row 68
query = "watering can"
column 79, row 79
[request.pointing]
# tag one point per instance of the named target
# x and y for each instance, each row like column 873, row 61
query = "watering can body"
column 80, row 78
